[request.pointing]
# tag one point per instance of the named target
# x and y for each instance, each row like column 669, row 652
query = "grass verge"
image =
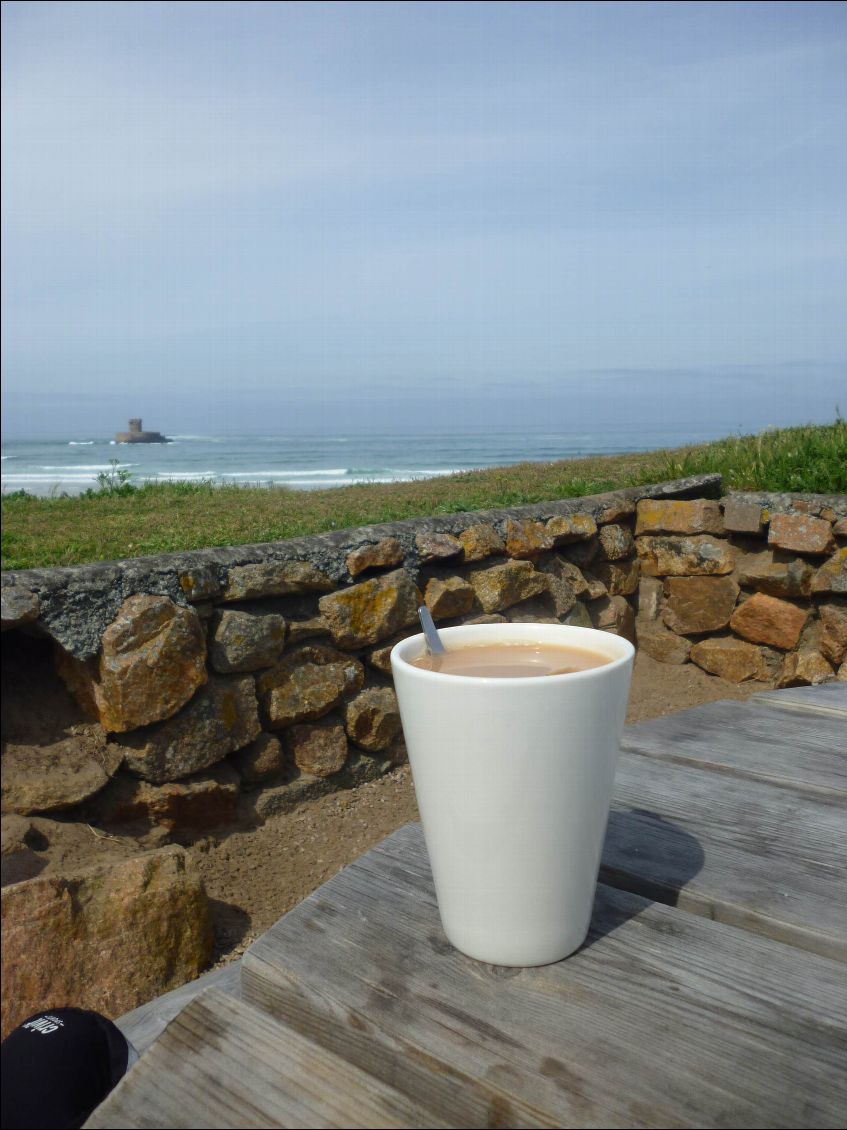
column 132, row 521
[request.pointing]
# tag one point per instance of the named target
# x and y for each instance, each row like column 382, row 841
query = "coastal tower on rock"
column 136, row 435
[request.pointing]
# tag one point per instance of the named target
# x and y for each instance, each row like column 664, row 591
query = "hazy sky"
column 259, row 215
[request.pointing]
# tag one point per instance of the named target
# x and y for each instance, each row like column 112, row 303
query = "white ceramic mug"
column 514, row 781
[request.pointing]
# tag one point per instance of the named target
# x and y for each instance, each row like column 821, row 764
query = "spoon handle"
column 433, row 640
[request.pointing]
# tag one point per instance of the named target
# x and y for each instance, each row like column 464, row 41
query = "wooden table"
column 712, row 990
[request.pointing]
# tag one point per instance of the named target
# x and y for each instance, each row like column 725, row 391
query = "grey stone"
column 742, row 517
column 272, row 578
column 264, row 760
column 221, row 718
column 245, row 641
column 19, row 606
column 616, row 542
column 764, row 572
column 500, row 586
column 579, row 616
column 201, row 582
column 319, row 749
column 619, row 578
column 372, row 719
column 371, row 611
column 659, row 644
column 306, row 684
column 299, row 630
column 437, row 546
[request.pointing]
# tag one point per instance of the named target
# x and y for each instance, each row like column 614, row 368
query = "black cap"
column 57, row 1067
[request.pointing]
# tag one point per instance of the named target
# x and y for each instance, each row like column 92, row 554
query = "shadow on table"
column 646, row 855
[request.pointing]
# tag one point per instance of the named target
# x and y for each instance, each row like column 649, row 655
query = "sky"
column 248, row 216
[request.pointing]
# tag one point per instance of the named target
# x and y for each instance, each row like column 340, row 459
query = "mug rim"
column 399, row 661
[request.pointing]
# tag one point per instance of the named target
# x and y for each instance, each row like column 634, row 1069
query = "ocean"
column 306, row 462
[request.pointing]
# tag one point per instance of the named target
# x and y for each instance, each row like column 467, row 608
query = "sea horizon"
column 71, row 465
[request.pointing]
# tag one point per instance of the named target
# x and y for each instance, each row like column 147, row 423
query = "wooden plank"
column 753, row 741
column 768, row 859
column 662, row 1018
column 221, row 1063
column 828, row 698
column 145, row 1023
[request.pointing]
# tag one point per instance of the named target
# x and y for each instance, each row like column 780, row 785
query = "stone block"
column 698, row 516
column 832, row 575
column 581, row 553
column 135, row 930
column 500, row 586
column 699, row 604
column 17, row 606
column 536, row 610
column 312, row 628
column 660, row 644
column 201, row 582
column 766, row 619
column 742, row 517
column 273, row 578
column 619, row 578
column 614, row 614
column 371, row 611
column 306, row 684
column 221, row 718
column 376, row 555
column 735, row 660
column 567, row 528
column 372, row 719
column 436, row 547
column 801, row 533
column 152, row 660
column 526, row 539
column 448, row 597
column 684, row 556
column 58, row 775
column 570, row 574
column 264, row 760
column 615, row 511
column 783, row 578
column 319, row 749
column 804, row 669
column 245, row 641
column 578, row 617
column 200, row 802
column 380, row 657
column 481, row 541
column 833, row 637
column 839, row 528
column 616, row 542
column 649, row 602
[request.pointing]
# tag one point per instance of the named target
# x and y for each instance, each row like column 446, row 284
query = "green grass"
column 130, row 521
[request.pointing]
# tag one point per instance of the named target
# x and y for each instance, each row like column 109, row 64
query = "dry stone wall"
column 259, row 675
column 751, row 587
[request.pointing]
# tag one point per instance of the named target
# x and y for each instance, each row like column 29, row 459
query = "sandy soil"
column 255, row 874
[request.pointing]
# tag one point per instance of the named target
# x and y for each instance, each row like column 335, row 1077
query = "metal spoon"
column 433, row 640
